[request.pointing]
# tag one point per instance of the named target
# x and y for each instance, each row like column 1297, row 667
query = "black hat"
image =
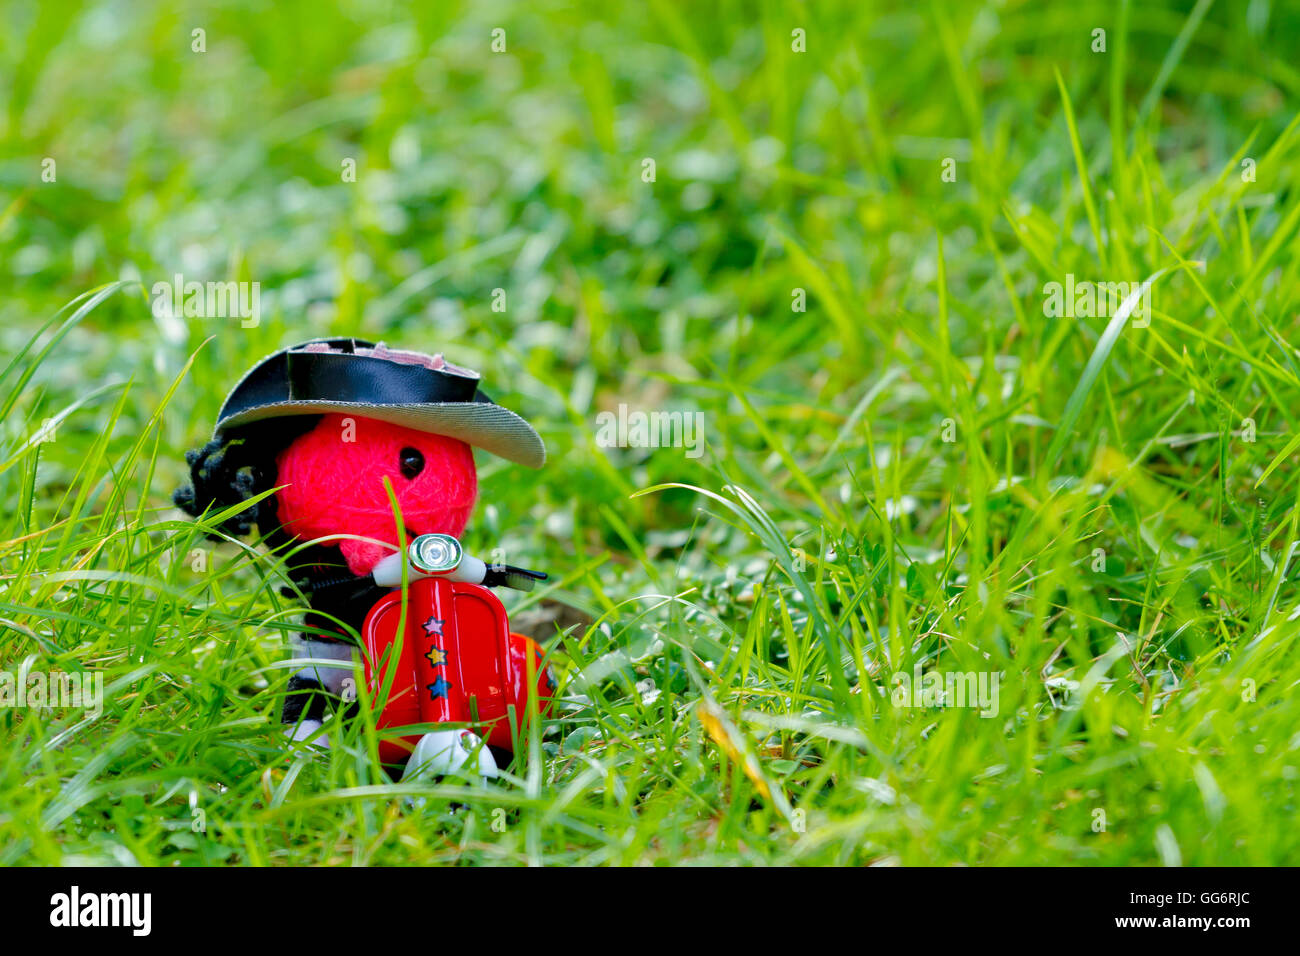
column 412, row 389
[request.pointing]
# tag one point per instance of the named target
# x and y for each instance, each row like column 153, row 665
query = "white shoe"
column 305, row 730
column 442, row 752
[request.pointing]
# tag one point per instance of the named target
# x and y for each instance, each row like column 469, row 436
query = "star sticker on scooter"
column 432, row 627
column 437, row 656
column 438, row 688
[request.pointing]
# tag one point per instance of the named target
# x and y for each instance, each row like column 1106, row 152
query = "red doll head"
column 333, row 479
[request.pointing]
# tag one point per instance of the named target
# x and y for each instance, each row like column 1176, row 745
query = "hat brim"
column 481, row 424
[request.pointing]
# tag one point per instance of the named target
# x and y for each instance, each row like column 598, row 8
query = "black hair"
column 241, row 465
column 236, row 467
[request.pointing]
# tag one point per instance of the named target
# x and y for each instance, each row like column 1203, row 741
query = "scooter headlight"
column 435, row 553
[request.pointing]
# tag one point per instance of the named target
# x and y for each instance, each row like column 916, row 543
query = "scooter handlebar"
column 440, row 555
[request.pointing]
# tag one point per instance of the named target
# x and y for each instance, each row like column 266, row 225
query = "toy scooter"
column 451, row 659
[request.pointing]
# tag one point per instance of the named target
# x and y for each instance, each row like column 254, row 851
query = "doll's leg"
column 315, row 686
column 304, row 710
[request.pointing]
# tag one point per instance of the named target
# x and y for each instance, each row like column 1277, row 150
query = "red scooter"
column 451, row 659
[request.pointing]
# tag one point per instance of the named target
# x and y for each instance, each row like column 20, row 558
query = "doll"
column 324, row 423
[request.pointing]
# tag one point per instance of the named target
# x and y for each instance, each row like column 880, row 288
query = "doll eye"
column 412, row 462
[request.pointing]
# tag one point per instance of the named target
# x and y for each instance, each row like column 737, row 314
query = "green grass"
column 920, row 469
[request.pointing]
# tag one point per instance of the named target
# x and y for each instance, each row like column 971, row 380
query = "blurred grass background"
column 732, row 704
